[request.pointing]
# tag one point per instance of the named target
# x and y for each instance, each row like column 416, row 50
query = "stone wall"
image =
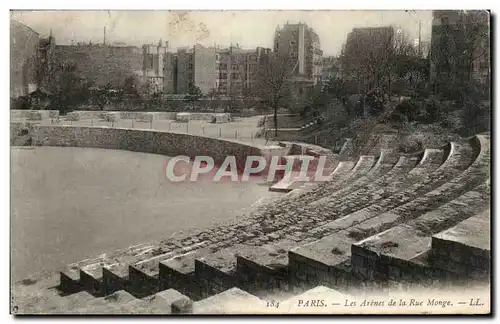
column 147, row 141
column 220, row 117
column 45, row 114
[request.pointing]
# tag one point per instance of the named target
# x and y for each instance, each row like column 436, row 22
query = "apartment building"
column 153, row 66
column 237, row 69
column 460, row 47
column 302, row 45
column 195, row 66
column 24, row 43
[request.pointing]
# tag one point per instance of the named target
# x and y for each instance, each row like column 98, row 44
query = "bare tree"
column 376, row 60
column 212, row 95
column 272, row 79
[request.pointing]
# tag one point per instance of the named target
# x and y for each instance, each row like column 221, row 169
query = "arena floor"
column 69, row 204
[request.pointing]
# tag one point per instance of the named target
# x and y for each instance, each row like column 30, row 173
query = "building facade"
column 302, row 45
column 153, row 66
column 237, row 69
column 103, row 64
column 204, row 68
column 460, row 47
column 24, row 44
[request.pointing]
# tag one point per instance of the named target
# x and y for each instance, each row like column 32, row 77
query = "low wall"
column 220, row 117
column 97, row 114
column 284, row 134
column 146, row 141
column 45, row 114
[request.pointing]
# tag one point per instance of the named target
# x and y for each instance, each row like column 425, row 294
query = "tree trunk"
column 275, row 117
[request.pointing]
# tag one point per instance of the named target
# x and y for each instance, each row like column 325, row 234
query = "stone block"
column 91, row 281
column 69, row 281
column 113, row 281
column 183, row 117
column 182, row 305
column 73, row 116
column 142, row 284
column 231, row 301
column 178, row 274
column 34, row 115
column 467, row 243
column 111, row 116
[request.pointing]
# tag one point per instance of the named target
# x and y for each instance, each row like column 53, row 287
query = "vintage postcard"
column 250, row 162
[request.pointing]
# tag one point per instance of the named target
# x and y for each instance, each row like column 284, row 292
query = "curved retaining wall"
column 22, row 113
column 146, row 141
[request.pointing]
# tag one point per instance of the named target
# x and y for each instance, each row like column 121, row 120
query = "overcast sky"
column 248, row 28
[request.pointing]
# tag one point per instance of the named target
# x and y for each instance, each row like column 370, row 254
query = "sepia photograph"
column 250, row 162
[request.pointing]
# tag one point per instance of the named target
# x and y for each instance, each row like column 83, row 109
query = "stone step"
column 402, row 253
column 216, row 272
column 51, row 302
column 320, row 254
column 307, row 217
column 455, row 150
column 139, row 274
column 398, row 197
column 179, row 273
column 111, row 304
column 471, row 177
column 323, row 262
column 160, row 303
column 69, row 280
column 465, row 246
column 384, row 165
column 259, row 258
column 286, row 184
column 263, row 270
column 231, row 301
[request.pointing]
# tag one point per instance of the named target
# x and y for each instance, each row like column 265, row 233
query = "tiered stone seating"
column 402, row 254
column 315, row 251
column 373, row 222
column 90, row 276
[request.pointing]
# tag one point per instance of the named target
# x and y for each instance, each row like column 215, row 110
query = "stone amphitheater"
column 383, row 223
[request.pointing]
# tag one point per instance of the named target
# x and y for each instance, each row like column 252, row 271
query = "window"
column 292, row 54
column 235, row 76
column 292, row 43
column 190, row 66
column 235, row 67
column 223, row 66
column 217, row 57
column 223, row 75
column 253, row 58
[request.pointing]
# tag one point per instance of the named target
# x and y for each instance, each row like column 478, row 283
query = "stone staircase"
column 384, row 223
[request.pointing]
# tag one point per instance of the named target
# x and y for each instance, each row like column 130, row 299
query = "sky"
column 249, row 29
